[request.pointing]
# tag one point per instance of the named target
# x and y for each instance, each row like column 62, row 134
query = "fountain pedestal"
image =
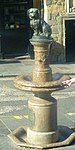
column 42, row 104
column 44, row 132
column 42, row 73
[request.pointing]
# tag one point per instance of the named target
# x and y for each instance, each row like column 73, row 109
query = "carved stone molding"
column 70, row 6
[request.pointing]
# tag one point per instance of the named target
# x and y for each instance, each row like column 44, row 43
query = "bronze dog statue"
column 39, row 26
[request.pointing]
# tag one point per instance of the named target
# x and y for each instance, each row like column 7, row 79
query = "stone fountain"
column 44, row 133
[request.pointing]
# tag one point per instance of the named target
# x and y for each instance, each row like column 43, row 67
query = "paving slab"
column 13, row 67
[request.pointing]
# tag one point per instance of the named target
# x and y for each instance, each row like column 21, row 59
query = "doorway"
column 70, row 40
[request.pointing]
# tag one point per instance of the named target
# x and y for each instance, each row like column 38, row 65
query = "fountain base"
column 66, row 137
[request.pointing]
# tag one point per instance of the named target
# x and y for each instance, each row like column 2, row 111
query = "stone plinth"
column 42, row 72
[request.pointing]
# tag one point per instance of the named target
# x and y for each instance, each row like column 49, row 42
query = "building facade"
column 60, row 14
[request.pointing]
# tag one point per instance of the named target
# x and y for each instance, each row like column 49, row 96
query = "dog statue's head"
column 33, row 13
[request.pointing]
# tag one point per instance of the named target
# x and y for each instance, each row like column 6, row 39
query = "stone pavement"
column 13, row 102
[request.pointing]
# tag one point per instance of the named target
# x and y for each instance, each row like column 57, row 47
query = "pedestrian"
column 68, row 83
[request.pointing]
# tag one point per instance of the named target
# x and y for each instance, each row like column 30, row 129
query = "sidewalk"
column 13, row 102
